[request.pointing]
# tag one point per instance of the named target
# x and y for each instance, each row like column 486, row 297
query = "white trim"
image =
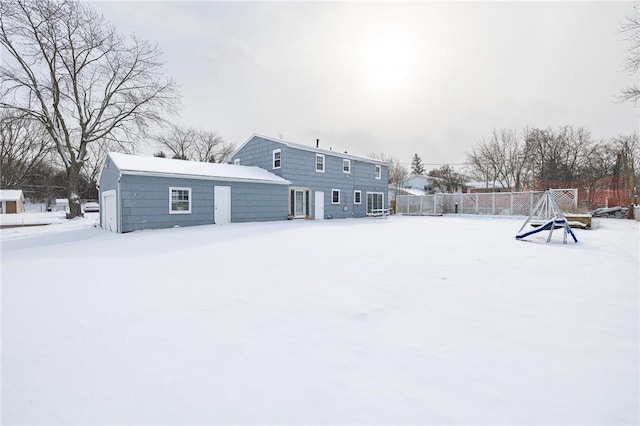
column 378, row 174
column 175, row 188
column 348, row 164
column 359, row 192
column 273, row 159
column 332, row 191
column 236, row 162
column 324, row 165
column 203, row 177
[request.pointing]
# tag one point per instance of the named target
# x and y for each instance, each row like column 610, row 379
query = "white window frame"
column 378, row 172
column 356, row 200
column 323, row 163
column 332, row 192
column 236, row 162
column 175, row 188
column 279, row 159
column 347, row 163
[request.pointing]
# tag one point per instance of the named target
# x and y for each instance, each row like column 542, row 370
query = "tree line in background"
column 71, row 89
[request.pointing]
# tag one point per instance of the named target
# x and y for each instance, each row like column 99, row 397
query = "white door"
column 221, row 205
column 109, row 211
column 319, row 208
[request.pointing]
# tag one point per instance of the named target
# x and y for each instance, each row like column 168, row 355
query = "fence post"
column 435, row 200
column 461, row 203
column 477, row 203
column 421, row 212
column 511, row 206
column 493, row 204
column 530, row 202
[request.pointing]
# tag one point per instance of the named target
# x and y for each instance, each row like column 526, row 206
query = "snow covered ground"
column 406, row 320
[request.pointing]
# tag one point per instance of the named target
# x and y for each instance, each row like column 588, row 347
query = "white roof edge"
column 203, row 177
column 312, row 149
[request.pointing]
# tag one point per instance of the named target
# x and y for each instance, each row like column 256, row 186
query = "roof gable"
column 312, row 149
column 135, row 164
column 11, row 195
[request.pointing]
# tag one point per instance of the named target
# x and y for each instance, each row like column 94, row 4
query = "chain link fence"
column 495, row 203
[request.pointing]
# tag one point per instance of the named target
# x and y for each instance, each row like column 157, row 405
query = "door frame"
column 104, row 210
column 218, row 207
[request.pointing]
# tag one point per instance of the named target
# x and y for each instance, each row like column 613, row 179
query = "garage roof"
column 135, row 164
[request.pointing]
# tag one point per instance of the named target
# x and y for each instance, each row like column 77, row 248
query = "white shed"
column 11, row 201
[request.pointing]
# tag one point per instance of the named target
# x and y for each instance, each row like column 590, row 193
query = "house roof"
column 135, row 164
column 11, row 195
column 312, row 149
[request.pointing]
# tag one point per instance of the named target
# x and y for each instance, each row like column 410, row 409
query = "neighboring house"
column 149, row 193
column 324, row 183
column 11, row 201
column 418, row 182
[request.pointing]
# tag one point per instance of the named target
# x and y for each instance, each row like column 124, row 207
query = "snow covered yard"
column 410, row 320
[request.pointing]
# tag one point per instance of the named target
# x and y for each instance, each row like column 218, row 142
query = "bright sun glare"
column 388, row 62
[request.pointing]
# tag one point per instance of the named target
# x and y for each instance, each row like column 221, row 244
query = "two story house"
column 325, row 184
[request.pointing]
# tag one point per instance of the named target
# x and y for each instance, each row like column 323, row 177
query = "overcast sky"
column 421, row 77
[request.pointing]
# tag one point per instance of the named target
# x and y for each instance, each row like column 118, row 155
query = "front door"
column 319, row 208
column 221, row 205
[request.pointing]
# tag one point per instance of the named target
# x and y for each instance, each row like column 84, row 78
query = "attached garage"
column 11, row 201
column 151, row 193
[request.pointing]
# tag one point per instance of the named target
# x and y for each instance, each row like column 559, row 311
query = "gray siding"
column 145, row 202
column 259, row 152
column 299, row 167
column 108, row 181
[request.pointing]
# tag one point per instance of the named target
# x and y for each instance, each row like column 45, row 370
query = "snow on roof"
column 135, row 164
column 313, row 149
column 11, row 194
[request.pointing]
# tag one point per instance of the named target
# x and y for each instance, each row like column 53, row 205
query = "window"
column 320, row 163
column 236, row 161
column 346, row 166
column 277, row 161
column 357, row 197
column 378, row 172
column 179, row 200
column 335, row 196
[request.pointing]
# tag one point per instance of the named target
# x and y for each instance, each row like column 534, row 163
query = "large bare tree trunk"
column 73, row 187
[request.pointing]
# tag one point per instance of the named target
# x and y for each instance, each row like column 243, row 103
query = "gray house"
column 324, row 183
column 150, row 193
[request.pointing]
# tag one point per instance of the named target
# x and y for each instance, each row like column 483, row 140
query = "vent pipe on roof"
column 317, row 143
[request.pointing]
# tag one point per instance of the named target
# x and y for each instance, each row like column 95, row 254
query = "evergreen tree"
column 417, row 168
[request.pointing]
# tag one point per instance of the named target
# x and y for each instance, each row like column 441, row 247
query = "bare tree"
column 210, row 147
column 178, row 140
column 24, row 147
column 69, row 69
column 500, row 160
column 558, row 156
column 628, row 147
column 187, row 143
column 631, row 28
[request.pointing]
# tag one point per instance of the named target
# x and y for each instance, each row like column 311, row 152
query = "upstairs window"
column 320, row 163
column 378, row 172
column 179, row 200
column 346, row 166
column 277, row 162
